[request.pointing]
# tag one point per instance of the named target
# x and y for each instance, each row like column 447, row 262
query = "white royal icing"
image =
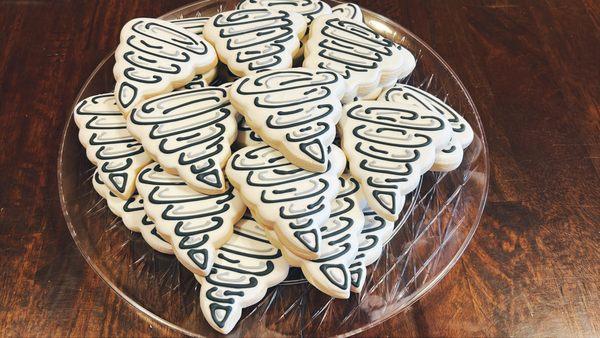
column 201, row 80
column 245, row 267
column 310, row 9
column 365, row 59
column 375, row 233
column 450, row 156
column 156, row 56
column 330, row 273
column 253, row 40
column 348, row 11
column 295, row 203
column 195, row 224
column 132, row 213
column 294, row 111
column 389, row 146
column 109, row 145
column 189, row 133
column 194, row 25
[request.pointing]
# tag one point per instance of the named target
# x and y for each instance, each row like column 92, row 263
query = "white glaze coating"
column 109, row 145
column 330, row 273
column 293, row 202
column 364, row 58
column 375, row 233
column 348, row 11
column 195, row 224
column 294, row 111
column 245, row 267
column 450, row 157
column 201, row 80
column 255, row 40
column 194, row 25
column 189, row 132
column 389, row 146
column 309, row 9
column 156, row 56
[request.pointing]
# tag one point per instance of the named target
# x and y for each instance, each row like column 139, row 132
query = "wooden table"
column 533, row 69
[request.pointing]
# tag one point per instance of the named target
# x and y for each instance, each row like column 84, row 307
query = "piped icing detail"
column 109, row 145
column 189, row 132
column 253, row 40
column 294, row 111
column 389, row 146
column 195, row 224
column 245, row 267
column 156, row 56
column 293, row 202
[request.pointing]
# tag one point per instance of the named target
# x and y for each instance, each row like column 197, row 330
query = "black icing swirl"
column 118, row 155
column 153, row 52
column 389, row 144
column 297, row 101
column 193, row 124
column 279, row 182
column 247, row 264
column 256, row 36
column 194, row 217
column 308, row 8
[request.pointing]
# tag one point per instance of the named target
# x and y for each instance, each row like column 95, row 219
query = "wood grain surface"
column 533, row 69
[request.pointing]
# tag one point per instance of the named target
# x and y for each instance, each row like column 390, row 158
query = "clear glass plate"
column 440, row 219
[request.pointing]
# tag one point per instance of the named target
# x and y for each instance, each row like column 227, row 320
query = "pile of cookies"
column 272, row 136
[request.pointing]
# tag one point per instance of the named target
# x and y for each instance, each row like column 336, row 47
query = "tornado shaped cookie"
column 293, row 202
column 109, row 145
column 330, row 273
column 449, row 157
column 254, row 40
column 389, row 146
column 189, row 132
column 155, row 57
column 245, row 267
column 365, row 59
column 294, row 111
column 133, row 215
column 195, row 224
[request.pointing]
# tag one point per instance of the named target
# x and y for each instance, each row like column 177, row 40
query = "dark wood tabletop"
column 533, row 70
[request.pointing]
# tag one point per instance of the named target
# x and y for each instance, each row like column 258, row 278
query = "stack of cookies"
column 272, row 136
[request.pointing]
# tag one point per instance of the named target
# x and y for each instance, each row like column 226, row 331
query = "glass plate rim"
column 149, row 315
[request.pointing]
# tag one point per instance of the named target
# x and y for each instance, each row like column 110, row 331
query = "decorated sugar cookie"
column 450, row 156
column 375, row 233
column 330, row 273
column 310, row 9
column 156, row 56
column 294, row 111
column 348, row 11
column 195, row 224
column 247, row 136
column 189, row 133
column 293, row 202
column 389, row 146
column 245, row 267
column 254, row 40
column 194, row 25
column 201, row 80
column 103, row 132
column 133, row 215
column 364, row 58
